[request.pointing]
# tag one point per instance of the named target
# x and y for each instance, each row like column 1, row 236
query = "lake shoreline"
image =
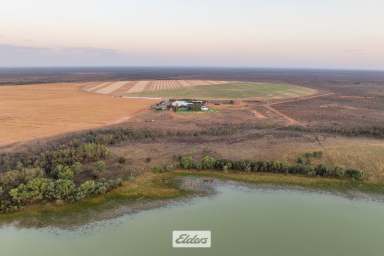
column 155, row 190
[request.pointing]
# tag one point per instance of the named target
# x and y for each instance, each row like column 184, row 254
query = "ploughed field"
column 127, row 88
column 202, row 89
column 42, row 110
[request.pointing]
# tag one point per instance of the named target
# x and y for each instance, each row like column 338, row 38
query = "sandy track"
column 258, row 115
column 302, row 98
column 88, row 86
column 112, row 87
column 289, row 120
column 139, row 87
column 98, row 86
column 184, row 83
column 121, row 91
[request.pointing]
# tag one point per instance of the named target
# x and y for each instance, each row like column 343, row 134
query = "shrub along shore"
column 210, row 163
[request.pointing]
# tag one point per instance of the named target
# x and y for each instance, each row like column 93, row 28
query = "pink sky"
column 261, row 33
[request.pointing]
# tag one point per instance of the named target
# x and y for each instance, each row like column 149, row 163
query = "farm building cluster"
column 181, row 105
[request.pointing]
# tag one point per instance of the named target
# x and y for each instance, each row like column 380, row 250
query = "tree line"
column 210, row 163
column 373, row 131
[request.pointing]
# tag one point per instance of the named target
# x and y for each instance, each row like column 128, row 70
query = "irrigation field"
column 126, row 88
column 204, row 89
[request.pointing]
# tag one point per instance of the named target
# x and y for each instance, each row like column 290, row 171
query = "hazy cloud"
column 12, row 55
column 359, row 51
column 27, row 56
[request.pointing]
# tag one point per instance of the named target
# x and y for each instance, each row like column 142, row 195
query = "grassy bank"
column 156, row 187
column 148, row 186
column 328, row 184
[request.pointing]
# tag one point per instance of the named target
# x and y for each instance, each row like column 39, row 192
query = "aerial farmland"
column 42, row 110
column 205, row 89
column 103, row 140
column 212, row 128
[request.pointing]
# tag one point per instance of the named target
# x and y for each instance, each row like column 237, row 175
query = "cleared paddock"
column 45, row 110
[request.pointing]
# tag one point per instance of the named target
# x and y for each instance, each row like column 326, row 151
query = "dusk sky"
column 346, row 34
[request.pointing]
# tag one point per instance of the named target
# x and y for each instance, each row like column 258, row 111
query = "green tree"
column 77, row 167
column 35, row 190
column 86, row 189
column 64, row 189
column 355, row 174
column 92, row 152
column 208, row 162
column 63, row 172
column 100, row 166
column 186, row 162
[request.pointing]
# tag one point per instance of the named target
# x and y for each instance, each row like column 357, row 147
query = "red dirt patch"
column 37, row 111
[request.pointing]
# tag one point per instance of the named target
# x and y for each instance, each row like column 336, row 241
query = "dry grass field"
column 359, row 153
column 43, row 110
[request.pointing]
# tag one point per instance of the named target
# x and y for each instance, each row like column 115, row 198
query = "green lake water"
column 243, row 221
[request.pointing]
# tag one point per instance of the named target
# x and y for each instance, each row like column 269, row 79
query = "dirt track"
column 289, row 120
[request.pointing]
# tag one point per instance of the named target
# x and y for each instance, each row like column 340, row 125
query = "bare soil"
column 37, row 111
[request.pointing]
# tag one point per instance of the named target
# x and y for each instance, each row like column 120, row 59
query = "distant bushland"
column 373, row 131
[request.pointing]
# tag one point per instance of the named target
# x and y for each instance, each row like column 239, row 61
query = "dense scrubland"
column 53, row 175
column 79, row 166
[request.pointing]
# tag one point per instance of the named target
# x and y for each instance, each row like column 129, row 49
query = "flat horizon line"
column 195, row 67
